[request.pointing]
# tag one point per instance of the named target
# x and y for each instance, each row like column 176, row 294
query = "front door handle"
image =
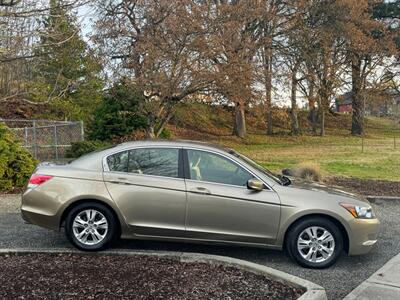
column 201, row 190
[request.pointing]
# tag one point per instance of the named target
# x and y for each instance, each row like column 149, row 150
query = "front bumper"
column 363, row 235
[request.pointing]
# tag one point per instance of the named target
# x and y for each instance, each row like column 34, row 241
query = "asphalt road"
column 338, row 280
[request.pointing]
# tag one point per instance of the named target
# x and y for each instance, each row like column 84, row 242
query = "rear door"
column 147, row 185
column 221, row 207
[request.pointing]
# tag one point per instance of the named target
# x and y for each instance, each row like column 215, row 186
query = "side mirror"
column 255, row 184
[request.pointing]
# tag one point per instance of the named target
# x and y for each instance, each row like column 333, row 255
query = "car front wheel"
column 90, row 226
column 315, row 242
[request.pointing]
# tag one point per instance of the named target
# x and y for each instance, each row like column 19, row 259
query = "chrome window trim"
column 269, row 189
column 107, row 169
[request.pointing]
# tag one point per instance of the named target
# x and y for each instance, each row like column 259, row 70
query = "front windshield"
column 256, row 166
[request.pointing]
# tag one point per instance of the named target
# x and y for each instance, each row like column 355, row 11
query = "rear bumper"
column 363, row 235
column 39, row 219
column 39, row 209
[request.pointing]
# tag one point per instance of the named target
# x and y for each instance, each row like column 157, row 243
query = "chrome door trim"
column 149, row 186
column 143, row 175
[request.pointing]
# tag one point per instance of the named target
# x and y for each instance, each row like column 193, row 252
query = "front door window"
column 210, row 167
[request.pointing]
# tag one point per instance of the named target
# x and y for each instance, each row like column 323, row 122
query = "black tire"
column 297, row 229
column 112, row 231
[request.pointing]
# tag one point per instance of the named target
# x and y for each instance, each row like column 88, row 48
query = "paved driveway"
column 338, row 281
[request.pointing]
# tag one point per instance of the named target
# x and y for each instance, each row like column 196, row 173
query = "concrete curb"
column 383, row 284
column 384, row 198
column 313, row 291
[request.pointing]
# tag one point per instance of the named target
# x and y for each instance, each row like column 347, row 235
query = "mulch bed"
column 75, row 276
column 367, row 186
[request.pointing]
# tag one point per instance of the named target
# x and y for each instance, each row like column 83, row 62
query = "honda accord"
column 196, row 192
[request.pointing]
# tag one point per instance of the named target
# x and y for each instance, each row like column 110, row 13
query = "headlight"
column 360, row 212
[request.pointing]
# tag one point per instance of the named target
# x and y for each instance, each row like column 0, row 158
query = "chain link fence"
column 45, row 139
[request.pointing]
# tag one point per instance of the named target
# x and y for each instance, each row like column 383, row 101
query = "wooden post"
column 82, row 131
column 35, row 146
column 362, row 143
column 55, row 141
column 26, row 136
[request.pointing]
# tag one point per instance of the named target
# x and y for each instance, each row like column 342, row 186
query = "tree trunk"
column 322, row 131
column 293, row 109
column 268, row 86
column 164, row 120
column 268, row 107
column 321, row 112
column 312, row 114
column 313, row 117
column 239, row 128
column 357, row 121
column 150, row 134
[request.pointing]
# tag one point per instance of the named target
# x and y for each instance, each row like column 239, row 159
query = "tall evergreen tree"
column 67, row 75
column 118, row 113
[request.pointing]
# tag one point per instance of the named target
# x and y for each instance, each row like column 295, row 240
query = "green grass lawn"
column 337, row 154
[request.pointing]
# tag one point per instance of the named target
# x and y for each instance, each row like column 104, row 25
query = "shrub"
column 16, row 163
column 78, row 149
column 307, row 170
column 165, row 134
column 118, row 114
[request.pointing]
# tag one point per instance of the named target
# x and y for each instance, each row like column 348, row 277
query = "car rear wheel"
column 90, row 226
column 315, row 242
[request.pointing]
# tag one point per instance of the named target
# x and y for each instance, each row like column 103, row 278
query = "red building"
column 344, row 103
column 377, row 103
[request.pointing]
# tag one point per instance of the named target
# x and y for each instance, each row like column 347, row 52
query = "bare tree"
column 274, row 23
column 369, row 46
column 320, row 43
column 231, row 47
column 158, row 44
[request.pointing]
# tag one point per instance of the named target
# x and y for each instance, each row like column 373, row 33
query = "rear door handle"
column 201, row 190
column 120, row 180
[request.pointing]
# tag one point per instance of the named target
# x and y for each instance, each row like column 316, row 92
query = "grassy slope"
column 338, row 153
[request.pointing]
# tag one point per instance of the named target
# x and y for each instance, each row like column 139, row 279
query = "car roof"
column 93, row 160
column 174, row 143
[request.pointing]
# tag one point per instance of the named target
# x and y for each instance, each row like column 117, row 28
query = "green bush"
column 16, row 163
column 119, row 113
column 165, row 134
column 78, row 149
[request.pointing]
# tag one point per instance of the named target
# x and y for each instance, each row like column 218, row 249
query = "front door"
column 221, row 207
column 148, row 187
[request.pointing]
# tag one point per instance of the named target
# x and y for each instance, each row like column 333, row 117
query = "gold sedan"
column 196, row 192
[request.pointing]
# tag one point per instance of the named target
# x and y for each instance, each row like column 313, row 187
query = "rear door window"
column 154, row 161
column 147, row 161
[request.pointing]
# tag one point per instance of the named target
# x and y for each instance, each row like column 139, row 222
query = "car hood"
column 320, row 187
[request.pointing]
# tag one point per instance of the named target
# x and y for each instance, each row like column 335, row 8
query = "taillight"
column 37, row 180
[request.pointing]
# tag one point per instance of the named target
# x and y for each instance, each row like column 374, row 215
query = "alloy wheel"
column 90, row 227
column 316, row 244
